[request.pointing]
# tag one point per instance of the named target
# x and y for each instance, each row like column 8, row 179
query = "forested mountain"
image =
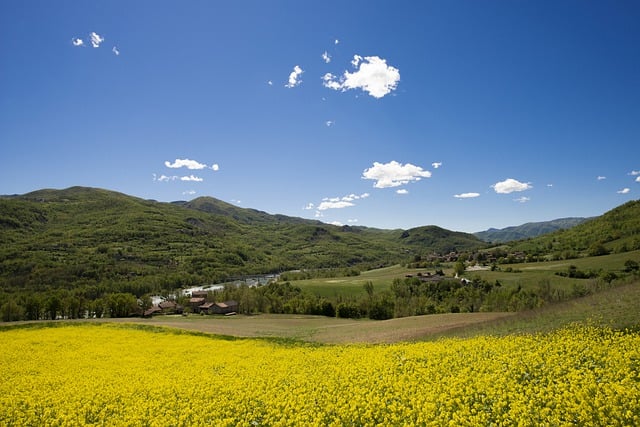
column 85, row 236
column 618, row 230
column 528, row 230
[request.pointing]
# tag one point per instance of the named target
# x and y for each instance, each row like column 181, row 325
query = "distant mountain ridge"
column 528, row 230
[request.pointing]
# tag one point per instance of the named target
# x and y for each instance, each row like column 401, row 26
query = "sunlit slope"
column 84, row 235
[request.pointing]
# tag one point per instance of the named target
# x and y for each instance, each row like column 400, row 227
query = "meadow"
column 527, row 275
column 119, row 374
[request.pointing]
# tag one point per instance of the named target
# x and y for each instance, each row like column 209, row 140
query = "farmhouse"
column 195, row 303
column 226, row 307
column 170, row 307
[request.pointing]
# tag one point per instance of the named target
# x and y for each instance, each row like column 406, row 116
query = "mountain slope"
column 95, row 237
column 528, row 230
column 618, row 230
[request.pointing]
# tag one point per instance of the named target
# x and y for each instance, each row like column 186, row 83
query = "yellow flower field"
column 117, row 375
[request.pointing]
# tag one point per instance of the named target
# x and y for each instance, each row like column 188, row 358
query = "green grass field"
column 526, row 275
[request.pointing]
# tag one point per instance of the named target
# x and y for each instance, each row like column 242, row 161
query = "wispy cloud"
column 164, row 178
column 522, row 199
column 189, row 164
column 634, row 173
column 192, row 178
column 340, row 202
column 189, row 193
column 270, row 83
column 510, row 185
column 623, row 191
column 373, row 76
column 96, row 39
column 436, row 165
column 601, row 178
column 329, row 123
column 394, row 174
column 466, row 195
column 77, row 41
column 294, row 77
column 402, row 191
column 335, row 203
column 326, row 57
column 115, row 51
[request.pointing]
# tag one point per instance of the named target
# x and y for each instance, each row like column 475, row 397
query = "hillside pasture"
column 525, row 275
column 533, row 274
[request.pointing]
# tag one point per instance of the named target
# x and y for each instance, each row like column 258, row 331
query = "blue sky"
column 462, row 114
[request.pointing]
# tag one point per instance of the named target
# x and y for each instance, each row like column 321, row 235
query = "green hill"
column 615, row 231
column 528, row 230
column 438, row 239
column 93, row 237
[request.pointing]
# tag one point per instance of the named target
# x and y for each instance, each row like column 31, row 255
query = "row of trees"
column 69, row 305
column 405, row 297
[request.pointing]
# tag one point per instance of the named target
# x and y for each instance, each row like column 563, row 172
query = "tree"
column 459, row 268
column 631, row 266
column 11, row 311
column 597, row 249
column 368, row 287
column 145, row 303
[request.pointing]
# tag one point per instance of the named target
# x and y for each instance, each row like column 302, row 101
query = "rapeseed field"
column 121, row 376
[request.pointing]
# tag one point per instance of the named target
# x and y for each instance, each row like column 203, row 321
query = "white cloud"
column 638, row 179
column 329, row 81
column 336, row 41
column 191, row 178
column 294, row 77
column 164, row 178
column 634, row 173
column 466, row 195
column 373, row 76
column 600, row 177
column 326, row 57
column 331, row 204
column 77, row 42
column 522, row 199
column 329, row 123
column 115, row 51
column 624, row 191
column 336, row 202
column 189, row 193
column 215, row 167
column 394, row 174
column 510, row 185
column 402, row 191
column 352, row 221
column 336, row 223
column 270, row 83
column 436, row 165
column 96, row 39
column 186, row 163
